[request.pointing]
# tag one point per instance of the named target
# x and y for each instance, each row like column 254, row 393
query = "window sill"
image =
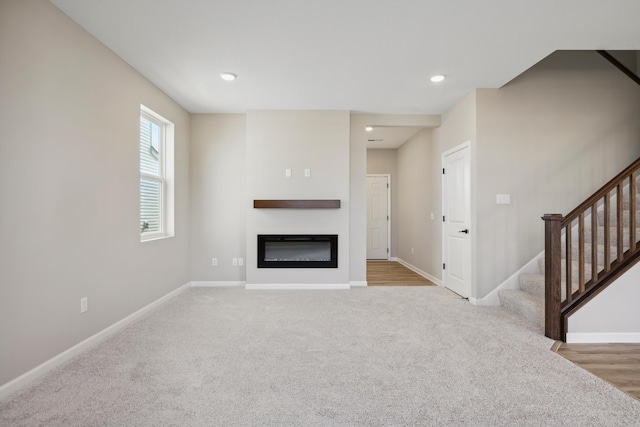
column 154, row 237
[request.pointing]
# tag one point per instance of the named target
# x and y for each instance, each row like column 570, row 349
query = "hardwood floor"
column 618, row 364
column 391, row 273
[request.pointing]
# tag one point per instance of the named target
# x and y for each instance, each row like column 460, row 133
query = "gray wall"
column 385, row 161
column 458, row 126
column 218, row 196
column 550, row 138
column 415, row 204
column 69, row 185
column 298, row 140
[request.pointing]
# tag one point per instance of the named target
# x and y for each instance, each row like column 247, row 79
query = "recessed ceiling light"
column 228, row 76
column 437, row 78
column 369, row 128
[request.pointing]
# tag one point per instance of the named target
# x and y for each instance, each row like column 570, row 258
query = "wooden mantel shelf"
column 296, row 204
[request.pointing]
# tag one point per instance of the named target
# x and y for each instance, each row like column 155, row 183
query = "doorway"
column 456, row 211
column 378, row 216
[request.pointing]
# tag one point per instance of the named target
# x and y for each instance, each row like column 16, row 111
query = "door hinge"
column 387, row 250
column 444, row 266
column 442, row 171
column 387, row 185
column 442, row 218
column 387, row 217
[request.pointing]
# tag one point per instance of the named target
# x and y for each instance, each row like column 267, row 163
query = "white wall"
column 69, row 185
column 385, row 162
column 549, row 138
column 218, row 196
column 612, row 316
column 317, row 140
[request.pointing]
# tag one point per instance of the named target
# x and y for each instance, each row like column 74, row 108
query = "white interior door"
column 377, row 217
column 456, row 211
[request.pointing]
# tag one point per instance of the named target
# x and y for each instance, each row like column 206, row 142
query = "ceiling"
column 359, row 55
column 390, row 137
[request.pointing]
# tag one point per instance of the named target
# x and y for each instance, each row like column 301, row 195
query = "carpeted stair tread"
column 574, row 268
column 613, row 232
column 626, row 204
column 613, row 218
column 532, row 283
column 523, row 304
column 613, row 252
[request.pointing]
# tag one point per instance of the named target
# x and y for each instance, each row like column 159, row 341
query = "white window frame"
column 165, row 178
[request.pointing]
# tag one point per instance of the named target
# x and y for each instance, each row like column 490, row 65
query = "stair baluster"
column 590, row 279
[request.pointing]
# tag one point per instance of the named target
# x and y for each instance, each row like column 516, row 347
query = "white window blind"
column 152, row 179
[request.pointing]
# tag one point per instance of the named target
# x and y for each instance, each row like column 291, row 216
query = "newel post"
column 552, row 276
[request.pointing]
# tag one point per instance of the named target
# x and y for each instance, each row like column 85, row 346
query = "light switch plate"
column 287, row 173
column 503, row 199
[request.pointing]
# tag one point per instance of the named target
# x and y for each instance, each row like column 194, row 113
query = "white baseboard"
column 603, row 337
column 417, row 270
column 217, row 284
column 307, row 286
column 357, row 284
column 512, row 282
column 26, row 378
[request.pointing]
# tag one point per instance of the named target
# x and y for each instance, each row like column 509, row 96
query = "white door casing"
column 378, row 216
column 456, row 211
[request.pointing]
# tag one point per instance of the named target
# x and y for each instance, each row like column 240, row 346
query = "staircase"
column 613, row 251
column 585, row 251
column 528, row 301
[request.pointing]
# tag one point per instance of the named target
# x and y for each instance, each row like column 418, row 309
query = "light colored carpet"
column 371, row 356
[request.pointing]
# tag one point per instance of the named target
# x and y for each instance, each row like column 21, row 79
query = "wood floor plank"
column 391, row 273
column 618, row 364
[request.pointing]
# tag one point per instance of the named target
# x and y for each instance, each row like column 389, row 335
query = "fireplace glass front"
column 297, row 251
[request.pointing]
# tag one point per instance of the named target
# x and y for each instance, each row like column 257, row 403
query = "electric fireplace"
column 297, row 251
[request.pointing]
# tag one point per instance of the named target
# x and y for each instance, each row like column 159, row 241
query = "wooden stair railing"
column 619, row 65
column 575, row 239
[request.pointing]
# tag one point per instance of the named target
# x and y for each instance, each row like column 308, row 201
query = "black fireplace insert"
column 297, row 251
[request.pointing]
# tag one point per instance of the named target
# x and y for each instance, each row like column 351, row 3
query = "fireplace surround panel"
column 297, row 251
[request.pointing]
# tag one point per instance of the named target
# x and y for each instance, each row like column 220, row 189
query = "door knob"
column 465, row 231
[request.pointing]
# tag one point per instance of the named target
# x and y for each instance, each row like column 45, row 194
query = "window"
column 156, row 175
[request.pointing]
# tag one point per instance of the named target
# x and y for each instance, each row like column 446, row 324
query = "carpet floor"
column 381, row 356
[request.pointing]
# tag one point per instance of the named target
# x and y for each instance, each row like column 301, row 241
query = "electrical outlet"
column 84, row 304
column 234, row 261
column 307, row 173
column 287, row 173
column 241, row 261
column 214, row 262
